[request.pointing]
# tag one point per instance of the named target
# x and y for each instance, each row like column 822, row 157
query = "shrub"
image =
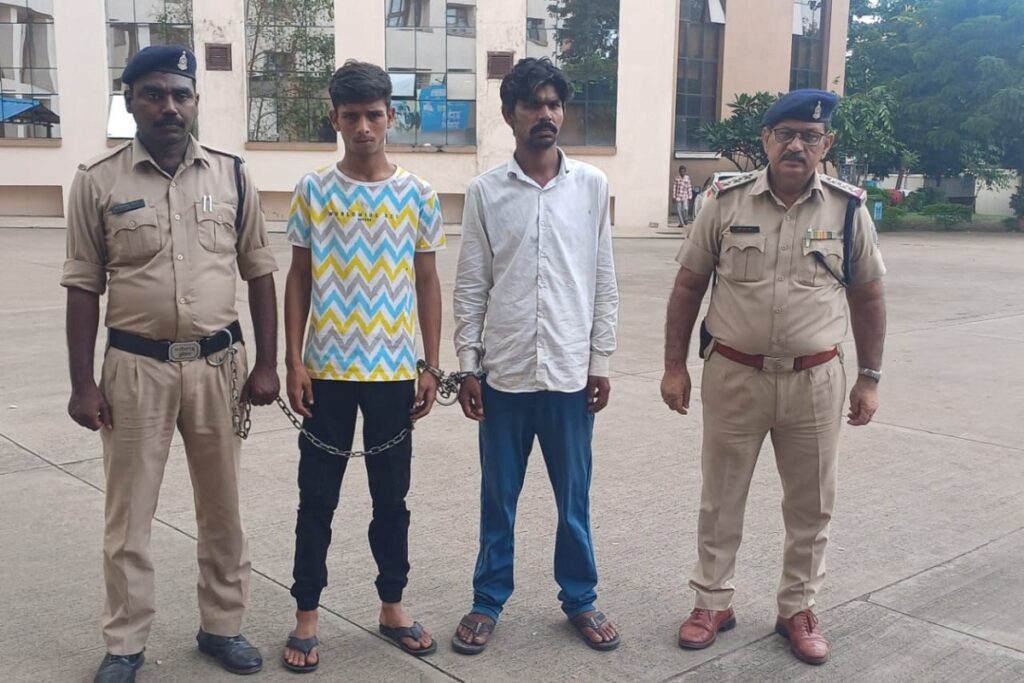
column 891, row 218
column 918, row 199
column 1011, row 224
column 1017, row 202
column 948, row 215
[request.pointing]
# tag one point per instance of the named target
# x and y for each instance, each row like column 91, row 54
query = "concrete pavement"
column 924, row 565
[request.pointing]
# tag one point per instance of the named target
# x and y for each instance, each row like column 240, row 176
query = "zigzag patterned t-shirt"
column 362, row 239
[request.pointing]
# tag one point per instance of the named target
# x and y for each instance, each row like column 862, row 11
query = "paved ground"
column 924, row 567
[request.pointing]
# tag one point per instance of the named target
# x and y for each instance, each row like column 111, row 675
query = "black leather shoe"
column 236, row 654
column 119, row 668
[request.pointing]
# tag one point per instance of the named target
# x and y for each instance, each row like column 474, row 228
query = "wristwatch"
column 870, row 373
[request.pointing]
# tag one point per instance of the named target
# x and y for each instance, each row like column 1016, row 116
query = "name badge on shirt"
column 127, row 206
column 745, row 229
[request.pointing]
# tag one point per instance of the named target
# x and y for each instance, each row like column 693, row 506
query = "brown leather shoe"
column 805, row 640
column 700, row 630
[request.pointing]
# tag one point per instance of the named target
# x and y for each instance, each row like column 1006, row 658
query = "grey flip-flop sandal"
column 303, row 645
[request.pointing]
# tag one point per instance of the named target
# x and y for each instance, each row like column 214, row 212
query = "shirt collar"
column 193, row 153
column 761, row 185
column 565, row 167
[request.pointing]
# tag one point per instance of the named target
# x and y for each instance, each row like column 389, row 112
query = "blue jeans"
column 563, row 426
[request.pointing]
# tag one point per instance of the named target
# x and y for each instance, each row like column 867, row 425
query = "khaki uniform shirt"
column 167, row 252
column 773, row 296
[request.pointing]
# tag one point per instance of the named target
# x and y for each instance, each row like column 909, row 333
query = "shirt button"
column 174, row 184
column 780, row 278
column 181, row 300
column 131, row 223
column 778, row 309
column 785, row 247
column 182, row 256
column 177, row 216
column 788, row 217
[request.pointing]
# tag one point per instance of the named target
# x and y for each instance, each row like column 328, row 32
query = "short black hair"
column 527, row 76
column 682, row 167
column 358, row 83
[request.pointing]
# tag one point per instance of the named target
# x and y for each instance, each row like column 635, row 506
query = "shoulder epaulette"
column 721, row 186
column 109, row 154
column 221, row 152
column 846, row 188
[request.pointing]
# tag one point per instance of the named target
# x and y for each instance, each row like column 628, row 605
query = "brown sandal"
column 594, row 622
column 477, row 628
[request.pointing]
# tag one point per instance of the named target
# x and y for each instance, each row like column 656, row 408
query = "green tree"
column 864, row 131
column 738, row 138
column 587, row 38
column 289, row 60
column 955, row 69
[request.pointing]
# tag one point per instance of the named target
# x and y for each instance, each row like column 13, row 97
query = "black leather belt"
column 177, row 352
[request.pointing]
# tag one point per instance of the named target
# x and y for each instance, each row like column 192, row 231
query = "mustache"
column 543, row 126
column 795, row 156
column 175, row 121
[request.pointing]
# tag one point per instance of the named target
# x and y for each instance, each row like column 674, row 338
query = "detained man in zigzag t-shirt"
column 363, row 235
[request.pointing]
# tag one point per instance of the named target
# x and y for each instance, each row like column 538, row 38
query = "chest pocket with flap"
column 742, row 257
column 812, row 271
column 217, row 228
column 134, row 236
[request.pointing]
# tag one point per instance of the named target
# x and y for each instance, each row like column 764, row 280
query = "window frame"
column 46, row 99
column 705, row 99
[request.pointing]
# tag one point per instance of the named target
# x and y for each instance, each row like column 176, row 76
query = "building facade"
column 647, row 75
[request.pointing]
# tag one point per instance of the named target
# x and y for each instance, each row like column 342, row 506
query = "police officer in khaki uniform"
column 163, row 223
column 774, row 239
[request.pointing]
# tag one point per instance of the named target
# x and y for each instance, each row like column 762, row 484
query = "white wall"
column 636, row 167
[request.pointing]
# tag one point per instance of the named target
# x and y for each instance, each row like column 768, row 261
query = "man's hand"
column 426, row 392
column 89, row 408
column 675, row 390
column 262, row 386
column 300, row 390
column 598, row 389
column 863, row 402
column 471, row 399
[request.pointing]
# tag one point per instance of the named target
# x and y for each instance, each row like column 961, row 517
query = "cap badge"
column 183, row 65
column 816, row 115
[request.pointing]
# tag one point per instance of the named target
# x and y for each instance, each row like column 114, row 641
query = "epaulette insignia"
column 844, row 187
column 110, row 153
column 220, row 152
column 721, row 186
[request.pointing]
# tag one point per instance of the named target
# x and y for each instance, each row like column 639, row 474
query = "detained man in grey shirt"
column 536, row 306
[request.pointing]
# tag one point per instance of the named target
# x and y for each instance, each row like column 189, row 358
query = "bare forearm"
column 83, row 317
column 867, row 315
column 263, row 308
column 297, row 293
column 683, row 309
column 428, row 301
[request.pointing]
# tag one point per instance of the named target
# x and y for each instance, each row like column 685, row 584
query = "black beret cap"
column 168, row 59
column 808, row 105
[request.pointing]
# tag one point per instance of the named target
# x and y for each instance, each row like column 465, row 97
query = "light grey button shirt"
column 536, row 302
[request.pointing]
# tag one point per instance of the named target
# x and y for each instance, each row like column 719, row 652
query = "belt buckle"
column 179, row 352
column 774, row 364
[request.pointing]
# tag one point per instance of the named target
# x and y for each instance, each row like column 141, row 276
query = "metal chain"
column 334, row 450
column 448, row 385
column 241, row 412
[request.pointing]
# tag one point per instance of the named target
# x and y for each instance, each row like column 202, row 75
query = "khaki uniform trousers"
column 802, row 411
column 148, row 399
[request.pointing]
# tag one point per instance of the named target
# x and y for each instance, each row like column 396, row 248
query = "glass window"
column 700, row 43
column 808, row 53
column 289, row 62
column 131, row 26
column 28, row 71
column 430, row 54
column 581, row 38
